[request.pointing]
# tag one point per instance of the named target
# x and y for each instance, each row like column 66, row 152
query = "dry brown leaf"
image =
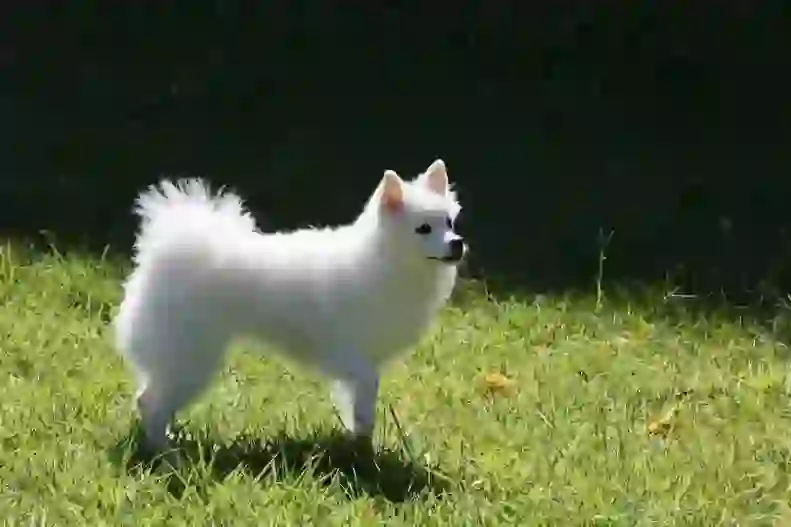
column 498, row 383
column 664, row 424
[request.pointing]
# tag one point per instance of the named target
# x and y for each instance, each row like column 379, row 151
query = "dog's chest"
column 394, row 318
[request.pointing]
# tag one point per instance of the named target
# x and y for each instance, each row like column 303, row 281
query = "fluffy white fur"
column 343, row 300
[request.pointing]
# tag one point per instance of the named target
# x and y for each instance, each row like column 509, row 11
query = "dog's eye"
column 424, row 229
column 449, row 222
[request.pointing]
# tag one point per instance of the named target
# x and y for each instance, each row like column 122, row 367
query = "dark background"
column 665, row 122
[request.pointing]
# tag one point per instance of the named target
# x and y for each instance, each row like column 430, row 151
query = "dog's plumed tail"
column 187, row 206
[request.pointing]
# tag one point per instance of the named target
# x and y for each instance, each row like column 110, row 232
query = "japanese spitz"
column 343, row 300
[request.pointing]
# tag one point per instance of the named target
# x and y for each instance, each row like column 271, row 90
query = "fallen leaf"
column 664, row 424
column 498, row 383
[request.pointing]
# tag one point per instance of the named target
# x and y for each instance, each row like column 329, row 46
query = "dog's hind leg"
column 156, row 415
column 158, row 404
column 174, row 385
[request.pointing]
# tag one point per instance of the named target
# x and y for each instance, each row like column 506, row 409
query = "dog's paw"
column 362, row 448
column 170, row 462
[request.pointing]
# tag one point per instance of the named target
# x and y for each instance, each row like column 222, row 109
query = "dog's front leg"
column 355, row 392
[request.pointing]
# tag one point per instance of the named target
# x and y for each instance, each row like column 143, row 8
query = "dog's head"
column 420, row 215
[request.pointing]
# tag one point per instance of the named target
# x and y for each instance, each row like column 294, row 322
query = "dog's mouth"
column 457, row 252
column 445, row 259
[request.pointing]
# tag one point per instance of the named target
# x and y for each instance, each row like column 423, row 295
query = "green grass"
column 566, row 444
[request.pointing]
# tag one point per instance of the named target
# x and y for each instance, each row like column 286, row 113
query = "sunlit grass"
column 529, row 410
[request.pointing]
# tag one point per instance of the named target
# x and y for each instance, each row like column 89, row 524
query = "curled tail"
column 170, row 210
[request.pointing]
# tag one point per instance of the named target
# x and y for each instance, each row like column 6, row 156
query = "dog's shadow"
column 329, row 457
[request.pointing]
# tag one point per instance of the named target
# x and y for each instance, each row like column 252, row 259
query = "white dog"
column 343, row 300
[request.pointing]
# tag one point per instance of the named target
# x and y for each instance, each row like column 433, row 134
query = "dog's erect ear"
column 392, row 192
column 436, row 177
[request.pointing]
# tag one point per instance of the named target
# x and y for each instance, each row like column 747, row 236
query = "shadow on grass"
column 328, row 457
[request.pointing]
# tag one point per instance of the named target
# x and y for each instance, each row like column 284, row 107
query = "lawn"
column 528, row 410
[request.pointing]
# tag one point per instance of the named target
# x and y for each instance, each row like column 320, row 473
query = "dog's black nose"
column 456, row 249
